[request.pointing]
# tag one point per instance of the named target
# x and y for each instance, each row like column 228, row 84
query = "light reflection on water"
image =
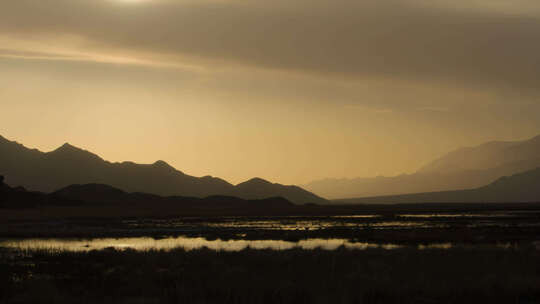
column 190, row 243
column 365, row 221
column 357, row 222
column 308, row 226
column 187, row 243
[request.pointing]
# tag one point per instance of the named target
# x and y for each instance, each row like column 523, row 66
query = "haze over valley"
column 464, row 168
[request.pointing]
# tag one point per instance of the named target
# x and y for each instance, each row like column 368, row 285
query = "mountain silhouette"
column 257, row 188
column 464, row 168
column 521, row 187
column 67, row 165
column 93, row 193
column 19, row 197
column 488, row 156
column 99, row 195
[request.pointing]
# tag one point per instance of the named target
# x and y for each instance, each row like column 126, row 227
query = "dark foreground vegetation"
column 458, row 275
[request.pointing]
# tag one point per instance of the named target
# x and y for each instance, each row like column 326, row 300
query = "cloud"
column 480, row 43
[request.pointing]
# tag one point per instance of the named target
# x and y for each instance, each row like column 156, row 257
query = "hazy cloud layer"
column 483, row 43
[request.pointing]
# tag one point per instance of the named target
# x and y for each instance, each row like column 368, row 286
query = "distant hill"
column 98, row 195
column 517, row 154
column 258, row 188
column 19, row 197
column 105, row 194
column 465, row 168
column 67, row 165
column 522, row 187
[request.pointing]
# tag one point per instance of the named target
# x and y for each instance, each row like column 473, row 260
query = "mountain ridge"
column 520, row 187
column 104, row 196
column 466, row 167
column 67, row 165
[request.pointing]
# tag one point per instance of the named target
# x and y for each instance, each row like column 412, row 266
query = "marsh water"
column 187, row 243
column 365, row 221
column 366, row 231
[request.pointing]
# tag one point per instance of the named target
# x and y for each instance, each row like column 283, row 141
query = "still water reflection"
column 358, row 222
column 187, row 243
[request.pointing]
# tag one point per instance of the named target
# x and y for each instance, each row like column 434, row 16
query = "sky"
column 290, row 91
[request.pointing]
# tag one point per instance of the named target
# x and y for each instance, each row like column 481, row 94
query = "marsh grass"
column 458, row 275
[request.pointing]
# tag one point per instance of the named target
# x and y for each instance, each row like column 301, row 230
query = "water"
column 192, row 243
column 369, row 221
column 187, row 243
column 238, row 233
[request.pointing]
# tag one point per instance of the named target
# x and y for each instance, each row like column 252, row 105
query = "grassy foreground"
column 459, row 275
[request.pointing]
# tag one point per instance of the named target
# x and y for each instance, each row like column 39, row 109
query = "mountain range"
column 464, row 168
column 50, row 171
column 522, row 187
column 105, row 196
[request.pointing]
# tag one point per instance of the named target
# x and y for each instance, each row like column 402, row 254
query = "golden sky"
column 290, row 91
